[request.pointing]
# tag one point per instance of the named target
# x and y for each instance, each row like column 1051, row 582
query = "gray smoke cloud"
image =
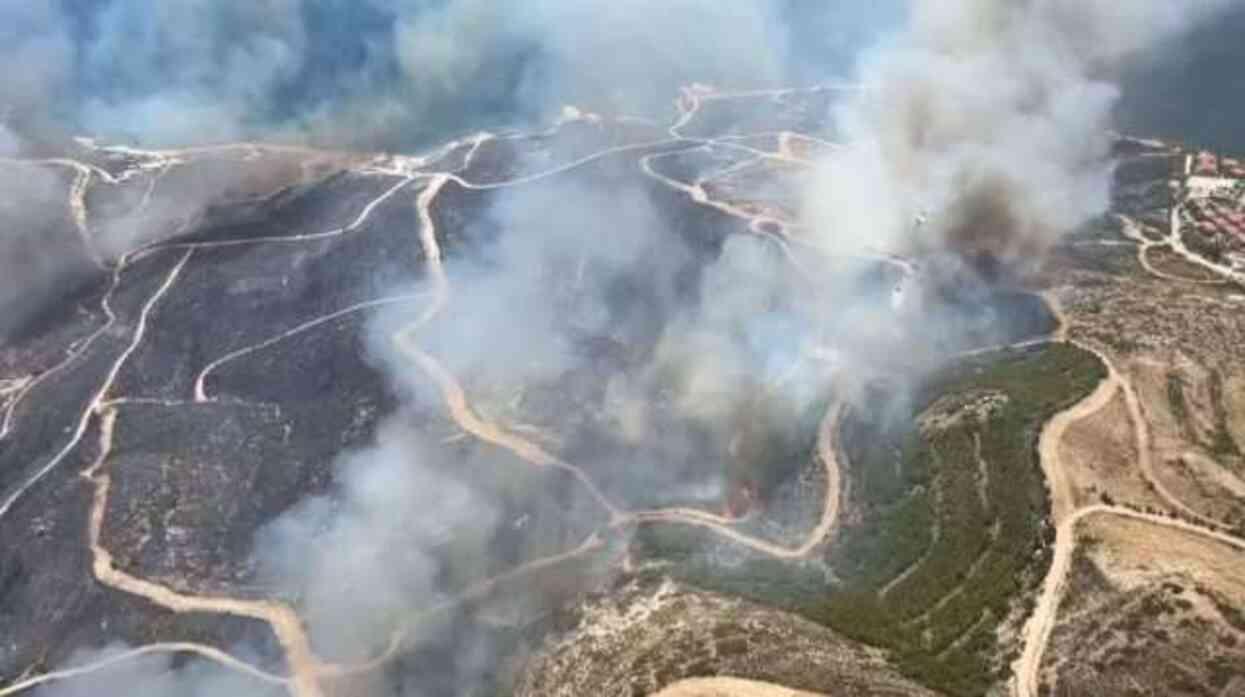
column 182, row 68
column 361, row 560
column 990, row 119
column 987, row 120
column 381, row 71
column 40, row 251
column 37, row 45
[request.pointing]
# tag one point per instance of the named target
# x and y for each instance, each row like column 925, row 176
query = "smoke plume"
column 988, row 119
column 979, row 137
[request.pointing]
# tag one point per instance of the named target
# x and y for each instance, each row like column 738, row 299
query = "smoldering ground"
column 985, row 119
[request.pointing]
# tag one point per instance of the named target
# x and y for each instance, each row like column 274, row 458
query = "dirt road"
column 307, row 671
column 730, row 687
column 1037, row 631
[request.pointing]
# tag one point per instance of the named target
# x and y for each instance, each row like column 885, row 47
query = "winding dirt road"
column 305, row 667
column 1144, row 244
column 406, row 341
column 307, row 671
column 1037, row 630
column 730, row 687
column 1176, row 240
column 200, row 650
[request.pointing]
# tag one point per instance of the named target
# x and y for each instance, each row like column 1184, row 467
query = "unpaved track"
column 827, row 452
column 307, row 670
column 1141, row 435
column 149, row 650
column 314, row 236
column 200, row 391
column 285, row 623
column 730, row 687
column 77, row 209
column 1145, row 244
column 1037, row 630
column 1176, row 241
column 102, row 393
column 476, row 591
column 406, row 341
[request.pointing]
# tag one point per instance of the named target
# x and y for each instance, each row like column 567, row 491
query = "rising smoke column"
column 988, row 119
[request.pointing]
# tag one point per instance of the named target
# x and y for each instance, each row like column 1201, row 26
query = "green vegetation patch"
column 1176, row 399
column 1222, row 443
column 946, row 522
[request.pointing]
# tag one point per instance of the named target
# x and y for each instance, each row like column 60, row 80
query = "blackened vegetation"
column 688, row 165
column 49, row 603
column 191, row 483
column 506, row 158
column 803, row 111
column 951, row 549
column 193, row 480
column 233, row 297
column 328, row 204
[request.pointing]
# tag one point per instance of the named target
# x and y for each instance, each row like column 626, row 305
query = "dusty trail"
column 775, row 230
column 286, row 625
column 252, row 148
column 1145, row 244
column 456, row 401
column 102, row 393
column 77, row 208
column 305, row 667
column 336, row 232
column 200, row 391
column 200, row 650
column 698, row 194
column 29, row 384
column 1145, row 458
column 1141, row 434
column 730, row 687
column 827, row 452
column 595, row 542
column 451, row 391
column 455, row 397
column 307, row 670
column 1176, row 241
column 476, row 591
column 1037, row 630
column 1141, row 427
column 768, row 227
column 561, row 169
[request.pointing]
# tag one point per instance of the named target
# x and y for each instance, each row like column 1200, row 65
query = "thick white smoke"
column 988, row 119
